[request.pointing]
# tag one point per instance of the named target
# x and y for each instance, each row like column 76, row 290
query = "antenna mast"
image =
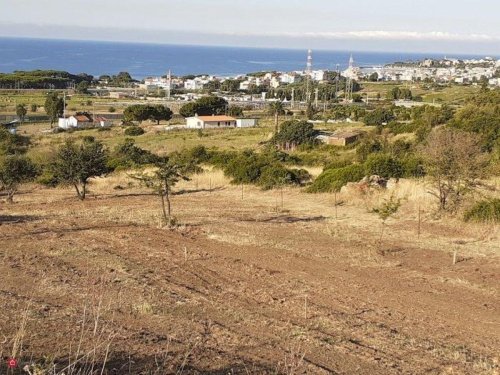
column 169, row 84
column 349, row 82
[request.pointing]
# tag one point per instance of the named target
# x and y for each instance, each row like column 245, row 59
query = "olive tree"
column 76, row 164
column 15, row 170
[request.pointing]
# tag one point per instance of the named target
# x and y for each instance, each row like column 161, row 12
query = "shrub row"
column 383, row 165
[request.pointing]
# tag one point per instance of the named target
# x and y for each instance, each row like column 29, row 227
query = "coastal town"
column 444, row 71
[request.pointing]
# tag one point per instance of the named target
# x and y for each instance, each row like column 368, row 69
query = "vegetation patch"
column 486, row 211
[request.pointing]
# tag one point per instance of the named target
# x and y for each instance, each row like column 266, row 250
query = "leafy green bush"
column 245, row 168
column 266, row 169
column 484, row 211
column 333, row 179
column 367, row 146
column 412, row 166
column 402, row 127
column 127, row 155
column 133, row 131
column 220, row 159
column 379, row 116
column 276, row 174
column 384, row 166
column 12, row 143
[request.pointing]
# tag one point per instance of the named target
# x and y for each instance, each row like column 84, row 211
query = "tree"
column 205, row 106
column 14, row 171
column 399, row 93
column 54, row 107
column 160, row 112
column 137, row 112
column 276, row 109
column 295, row 133
column 76, row 164
column 34, row 107
column 454, row 161
column 481, row 116
column 373, row 77
column 235, row 111
column 82, row 87
column 379, row 116
column 167, row 174
column 21, row 112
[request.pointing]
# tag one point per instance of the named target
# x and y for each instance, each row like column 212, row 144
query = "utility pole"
column 337, row 77
column 308, row 74
column 169, row 84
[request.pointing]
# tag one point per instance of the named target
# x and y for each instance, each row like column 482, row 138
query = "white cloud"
column 382, row 35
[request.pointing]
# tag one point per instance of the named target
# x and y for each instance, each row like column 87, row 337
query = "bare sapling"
column 385, row 211
column 167, row 174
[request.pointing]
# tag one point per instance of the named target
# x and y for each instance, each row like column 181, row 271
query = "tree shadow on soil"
column 288, row 219
column 14, row 219
column 189, row 191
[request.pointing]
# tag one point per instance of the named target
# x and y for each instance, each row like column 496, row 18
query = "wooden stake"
column 305, row 307
column 335, row 205
column 455, row 257
column 419, row 221
column 185, row 254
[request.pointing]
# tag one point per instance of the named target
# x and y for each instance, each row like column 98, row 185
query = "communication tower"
column 349, row 83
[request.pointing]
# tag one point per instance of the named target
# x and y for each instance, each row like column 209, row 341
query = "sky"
column 442, row 26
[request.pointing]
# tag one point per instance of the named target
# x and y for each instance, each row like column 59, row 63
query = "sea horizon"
column 154, row 59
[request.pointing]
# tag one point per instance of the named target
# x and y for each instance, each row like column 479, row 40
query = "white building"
column 246, row 123
column 289, row 78
column 83, row 121
column 77, row 121
column 193, row 84
column 318, row 75
column 218, row 122
column 102, row 121
column 204, row 122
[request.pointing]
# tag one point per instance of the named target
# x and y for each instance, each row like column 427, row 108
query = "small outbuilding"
column 246, row 122
column 340, row 138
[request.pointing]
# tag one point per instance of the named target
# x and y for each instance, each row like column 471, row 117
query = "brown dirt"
column 242, row 287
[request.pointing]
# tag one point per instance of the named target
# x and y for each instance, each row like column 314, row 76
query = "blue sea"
column 143, row 60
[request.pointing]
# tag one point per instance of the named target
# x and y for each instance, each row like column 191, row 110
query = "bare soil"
column 244, row 285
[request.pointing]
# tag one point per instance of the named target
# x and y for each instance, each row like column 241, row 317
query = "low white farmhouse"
column 204, row 122
column 219, row 122
column 78, row 121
